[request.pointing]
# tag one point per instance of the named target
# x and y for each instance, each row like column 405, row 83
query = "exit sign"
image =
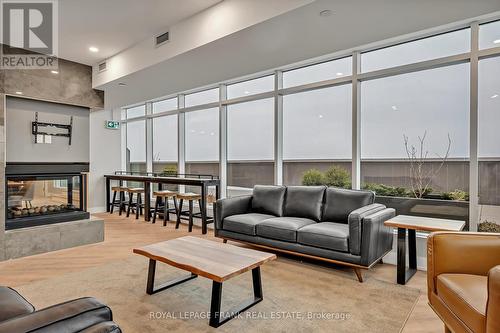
column 112, row 124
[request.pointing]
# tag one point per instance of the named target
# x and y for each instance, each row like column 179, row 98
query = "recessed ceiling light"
column 54, row 72
column 93, row 49
column 19, row 92
column 320, row 116
column 212, row 133
column 246, row 92
column 494, row 96
column 394, row 107
column 325, row 13
column 121, row 84
column 340, row 74
column 496, row 41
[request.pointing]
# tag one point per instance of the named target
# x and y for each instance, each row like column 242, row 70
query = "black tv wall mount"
column 36, row 131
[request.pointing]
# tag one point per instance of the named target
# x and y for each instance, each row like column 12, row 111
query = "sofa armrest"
column 493, row 305
column 461, row 252
column 77, row 314
column 355, row 220
column 376, row 238
column 104, row 327
column 231, row 206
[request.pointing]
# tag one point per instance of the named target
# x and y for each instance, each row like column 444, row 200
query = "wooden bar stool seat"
column 164, row 195
column 190, row 197
column 138, row 205
column 120, row 203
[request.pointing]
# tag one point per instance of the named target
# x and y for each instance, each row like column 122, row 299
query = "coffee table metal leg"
column 405, row 274
column 150, row 287
column 217, row 317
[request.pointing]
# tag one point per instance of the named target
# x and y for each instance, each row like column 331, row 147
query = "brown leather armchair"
column 463, row 280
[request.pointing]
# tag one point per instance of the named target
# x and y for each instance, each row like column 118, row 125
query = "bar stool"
column 190, row 197
column 137, row 205
column 121, row 203
column 164, row 195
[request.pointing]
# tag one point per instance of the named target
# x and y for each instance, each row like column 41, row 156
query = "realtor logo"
column 29, row 34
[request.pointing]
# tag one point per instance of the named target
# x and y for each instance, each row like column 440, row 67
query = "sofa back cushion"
column 304, row 201
column 339, row 203
column 268, row 199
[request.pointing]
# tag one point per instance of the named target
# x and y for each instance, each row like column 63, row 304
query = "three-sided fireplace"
column 45, row 193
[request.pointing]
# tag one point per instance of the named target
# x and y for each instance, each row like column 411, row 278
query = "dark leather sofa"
column 331, row 224
column 85, row 315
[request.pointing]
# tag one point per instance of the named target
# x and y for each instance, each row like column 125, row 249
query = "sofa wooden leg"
column 381, row 261
column 358, row 274
column 446, row 329
column 224, row 241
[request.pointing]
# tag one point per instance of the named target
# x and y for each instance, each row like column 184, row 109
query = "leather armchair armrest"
column 355, row 220
column 461, row 252
column 493, row 305
column 72, row 316
column 376, row 238
column 231, row 206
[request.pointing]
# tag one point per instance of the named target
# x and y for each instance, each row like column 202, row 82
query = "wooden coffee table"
column 215, row 261
column 412, row 224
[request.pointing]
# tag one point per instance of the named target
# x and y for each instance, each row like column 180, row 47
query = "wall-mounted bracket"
column 36, row 124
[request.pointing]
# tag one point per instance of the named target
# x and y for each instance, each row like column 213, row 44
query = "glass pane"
column 317, row 137
column 320, row 72
column 165, row 105
column 202, row 97
column 251, row 87
column 202, row 135
column 439, row 46
column 489, row 147
column 136, row 146
column 489, row 35
column 165, row 144
column 250, row 140
column 427, row 108
column 137, row 111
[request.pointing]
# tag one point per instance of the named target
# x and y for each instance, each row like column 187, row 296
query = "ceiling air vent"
column 102, row 66
column 162, row 38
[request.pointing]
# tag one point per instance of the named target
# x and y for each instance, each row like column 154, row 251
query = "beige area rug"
column 294, row 293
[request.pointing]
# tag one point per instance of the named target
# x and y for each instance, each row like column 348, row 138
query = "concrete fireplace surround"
column 72, row 86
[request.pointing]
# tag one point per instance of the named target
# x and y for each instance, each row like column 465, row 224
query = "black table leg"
column 147, row 201
column 217, row 317
column 108, row 194
column 405, row 274
column 150, row 288
column 203, row 209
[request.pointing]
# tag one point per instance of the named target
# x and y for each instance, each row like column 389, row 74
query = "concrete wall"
column 21, row 146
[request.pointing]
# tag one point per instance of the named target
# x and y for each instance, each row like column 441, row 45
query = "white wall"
column 105, row 156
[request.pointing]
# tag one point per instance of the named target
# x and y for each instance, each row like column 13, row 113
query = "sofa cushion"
column 339, row 203
column 304, row 201
column 328, row 235
column 244, row 223
column 12, row 304
column 467, row 295
column 268, row 199
column 282, row 228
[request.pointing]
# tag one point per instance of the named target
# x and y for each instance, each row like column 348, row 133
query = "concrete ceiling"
column 114, row 25
column 292, row 37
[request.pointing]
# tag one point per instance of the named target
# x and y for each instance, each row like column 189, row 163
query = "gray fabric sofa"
column 331, row 224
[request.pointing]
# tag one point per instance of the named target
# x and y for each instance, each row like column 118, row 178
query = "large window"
column 250, row 145
column 202, row 142
column 489, row 35
column 414, row 115
column 165, row 144
column 317, row 137
column 202, row 97
column 136, row 111
column 320, row 72
column 165, row 105
column 420, row 50
column 251, row 87
column 489, row 140
column 136, row 148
